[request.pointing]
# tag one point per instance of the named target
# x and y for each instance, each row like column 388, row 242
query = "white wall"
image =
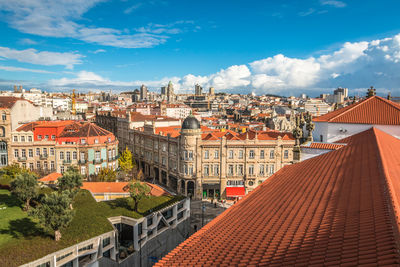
column 308, row 153
column 333, row 132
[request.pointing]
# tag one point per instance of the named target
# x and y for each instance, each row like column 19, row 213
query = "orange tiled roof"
column 325, row 146
column 340, row 208
column 373, row 110
column 118, row 187
column 52, row 177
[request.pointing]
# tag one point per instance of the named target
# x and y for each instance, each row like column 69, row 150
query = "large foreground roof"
column 339, row 208
column 373, row 110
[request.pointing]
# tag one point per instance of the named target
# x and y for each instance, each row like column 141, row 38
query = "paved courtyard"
column 196, row 213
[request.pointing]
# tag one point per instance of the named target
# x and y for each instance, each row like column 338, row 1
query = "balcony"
column 97, row 161
column 22, row 159
column 66, row 161
column 45, row 156
column 82, row 161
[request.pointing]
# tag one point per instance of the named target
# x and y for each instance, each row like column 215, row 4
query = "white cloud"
column 59, row 19
column 338, row 4
column 132, row 8
column 353, row 65
column 27, row 41
column 17, row 69
column 98, row 51
column 42, row 58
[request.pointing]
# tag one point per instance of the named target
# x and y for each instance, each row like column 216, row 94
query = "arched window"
column 3, row 146
column 2, row 131
column 3, row 116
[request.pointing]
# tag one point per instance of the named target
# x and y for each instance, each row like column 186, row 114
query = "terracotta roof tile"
column 335, row 209
column 52, row 177
column 324, row 146
column 373, row 110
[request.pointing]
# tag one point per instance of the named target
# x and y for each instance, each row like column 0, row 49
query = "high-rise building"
column 211, row 91
column 143, row 92
column 341, row 91
column 198, row 90
column 170, row 92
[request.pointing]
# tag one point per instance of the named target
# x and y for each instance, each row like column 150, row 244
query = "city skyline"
column 120, row 45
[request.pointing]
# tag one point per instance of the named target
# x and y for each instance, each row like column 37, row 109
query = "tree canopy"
column 25, row 187
column 70, row 182
column 125, row 161
column 138, row 191
column 54, row 212
column 8, row 173
column 106, row 175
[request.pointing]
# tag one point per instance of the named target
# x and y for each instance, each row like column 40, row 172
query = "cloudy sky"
column 281, row 47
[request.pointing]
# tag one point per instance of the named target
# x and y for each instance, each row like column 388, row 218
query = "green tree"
column 106, row 175
column 25, row 187
column 138, row 191
column 70, row 182
column 125, row 161
column 54, row 213
column 8, row 173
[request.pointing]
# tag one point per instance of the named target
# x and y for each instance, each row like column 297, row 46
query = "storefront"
column 211, row 191
column 235, row 192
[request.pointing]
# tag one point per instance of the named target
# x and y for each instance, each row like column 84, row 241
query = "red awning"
column 235, row 191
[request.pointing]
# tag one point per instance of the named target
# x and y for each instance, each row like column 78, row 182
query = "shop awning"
column 235, row 191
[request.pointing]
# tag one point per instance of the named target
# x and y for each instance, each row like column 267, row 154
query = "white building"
column 373, row 112
column 317, row 107
column 62, row 103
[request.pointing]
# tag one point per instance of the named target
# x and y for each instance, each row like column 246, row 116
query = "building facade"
column 48, row 146
column 208, row 163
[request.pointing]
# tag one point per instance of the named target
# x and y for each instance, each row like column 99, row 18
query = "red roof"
column 340, row 208
column 235, row 191
column 52, row 177
column 373, row 110
column 325, row 146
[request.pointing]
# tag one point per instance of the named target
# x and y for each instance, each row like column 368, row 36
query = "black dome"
column 191, row 123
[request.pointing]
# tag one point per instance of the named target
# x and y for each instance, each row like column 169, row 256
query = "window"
column 45, row 166
column 231, row 154
column 16, row 153
column 321, row 137
column 251, row 154
column 240, row 154
column 53, row 137
column 230, row 169
column 61, row 155
column 240, row 169
column 52, row 165
column 164, row 147
column 15, row 138
column 271, row 169
column 37, row 151
column 46, row 137
column 206, row 170
column 3, row 160
column 262, row 155
column 261, row 169
column 106, row 242
column 45, row 151
column 251, row 183
column 74, row 155
column 3, row 116
column 190, row 169
column 83, row 170
column 109, row 154
column 38, row 165
column 23, row 153
column 271, row 154
column 30, row 138
column 97, row 155
column 216, row 169
column 51, row 151
column 83, row 141
column 62, row 169
column 39, row 137
column 216, row 154
column 23, row 138
column 30, row 152
column 98, row 169
column 206, row 154
column 163, row 161
column 251, row 169
column 82, row 156
column 286, row 154
column 68, row 156
column 190, row 155
column 31, row 166
column 96, row 141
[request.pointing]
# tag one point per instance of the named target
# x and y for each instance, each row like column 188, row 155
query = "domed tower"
column 190, row 139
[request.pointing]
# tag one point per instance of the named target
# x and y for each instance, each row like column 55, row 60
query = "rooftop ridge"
column 352, row 107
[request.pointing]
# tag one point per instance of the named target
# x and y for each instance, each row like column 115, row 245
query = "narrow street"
column 196, row 214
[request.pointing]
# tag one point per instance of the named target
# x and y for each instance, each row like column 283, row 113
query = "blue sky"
column 236, row 46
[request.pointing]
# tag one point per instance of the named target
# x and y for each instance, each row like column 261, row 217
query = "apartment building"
column 47, row 146
column 204, row 163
